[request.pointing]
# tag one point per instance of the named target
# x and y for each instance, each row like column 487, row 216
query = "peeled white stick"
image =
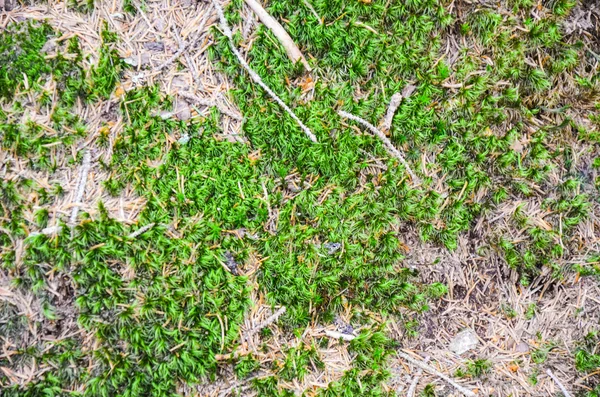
column 291, row 48
column 256, row 77
column 386, row 142
column 83, row 174
column 47, row 231
column 433, row 371
column 560, row 385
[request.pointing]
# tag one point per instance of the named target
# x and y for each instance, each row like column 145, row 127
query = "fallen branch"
column 395, row 101
column 386, row 142
column 83, row 174
column 560, row 385
column 413, row 385
column 209, row 103
column 256, row 77
column 291, row 48
column 433, row 371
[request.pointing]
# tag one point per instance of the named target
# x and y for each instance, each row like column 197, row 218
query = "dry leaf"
column 307, row 84
column 119, row 92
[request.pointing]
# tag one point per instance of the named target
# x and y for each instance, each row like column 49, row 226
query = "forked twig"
column 291, row 48
column 433, row 371
column 386, row 142
column 256, row 77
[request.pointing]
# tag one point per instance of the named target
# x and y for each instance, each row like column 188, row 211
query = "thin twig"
column 141, row 230
column 268, row 321
column 386, row 142
column 210, row 103
column 291, row 48
column 256, row 77
column 83, row 174
column 184, row 45
column 560, row 385
column 433, row 371
column 413, row 385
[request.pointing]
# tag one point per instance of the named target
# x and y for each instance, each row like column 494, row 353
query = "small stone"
column 231, row 263
column 183, row 111
column 185, row 138
column 463, row 342
column 49, row 46
column 131, row 61
column 332, row 247
column 7, row 5
column 157, row 46
column 522, row 347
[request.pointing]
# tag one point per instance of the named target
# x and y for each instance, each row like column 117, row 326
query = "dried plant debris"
column 166, row 227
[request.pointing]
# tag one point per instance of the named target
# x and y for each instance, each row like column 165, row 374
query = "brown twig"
column 141, row 230
column 268, row 321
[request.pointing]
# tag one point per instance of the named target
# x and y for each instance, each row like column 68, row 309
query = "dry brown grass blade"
column 291, row 48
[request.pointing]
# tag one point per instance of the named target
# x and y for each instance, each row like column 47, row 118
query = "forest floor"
column 167, row 228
